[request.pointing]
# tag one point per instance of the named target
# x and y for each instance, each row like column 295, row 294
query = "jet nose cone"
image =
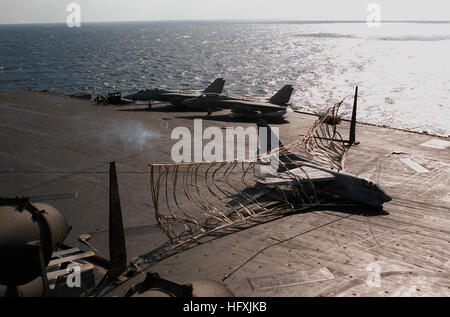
column 384, row 197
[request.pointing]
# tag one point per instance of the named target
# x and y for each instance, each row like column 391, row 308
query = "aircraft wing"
column 192, row 94
column 254, row 105
column 145, row 95
column 298, row 175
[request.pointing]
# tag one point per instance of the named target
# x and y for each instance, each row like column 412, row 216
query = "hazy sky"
column 33, row 11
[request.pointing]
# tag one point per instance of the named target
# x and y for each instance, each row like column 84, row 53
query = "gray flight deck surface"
column 55, row 144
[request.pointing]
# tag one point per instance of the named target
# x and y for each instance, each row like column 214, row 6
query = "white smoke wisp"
column 131, row 136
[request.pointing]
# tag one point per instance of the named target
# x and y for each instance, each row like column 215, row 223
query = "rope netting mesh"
column 322, row 144
column 194, row 199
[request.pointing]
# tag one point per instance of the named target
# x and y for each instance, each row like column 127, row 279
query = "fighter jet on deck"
column 274, row 106
column 295, row 170
column 176, row 96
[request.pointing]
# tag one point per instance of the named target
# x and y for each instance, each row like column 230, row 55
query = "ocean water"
column 402, row 69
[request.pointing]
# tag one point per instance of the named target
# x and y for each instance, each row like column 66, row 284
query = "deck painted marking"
column 436, row 144
column 26, row 130
column 54, row 275
column 290, row 278
column 400, row 292
column 64, row 252
column 71, row 258
column 446, row 198
column 48, row 114
column 31, row 111
column 36, row 199
column 415, row 166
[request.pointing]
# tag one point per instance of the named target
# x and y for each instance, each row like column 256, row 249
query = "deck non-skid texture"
column 55, row 144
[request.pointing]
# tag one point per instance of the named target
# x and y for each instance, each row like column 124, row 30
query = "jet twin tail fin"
column 283, row 96
column 216, row 87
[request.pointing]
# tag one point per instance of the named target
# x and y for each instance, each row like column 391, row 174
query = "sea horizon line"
column 243, row 20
